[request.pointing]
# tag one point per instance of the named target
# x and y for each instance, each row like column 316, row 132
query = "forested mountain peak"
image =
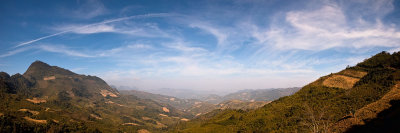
column 40, row 70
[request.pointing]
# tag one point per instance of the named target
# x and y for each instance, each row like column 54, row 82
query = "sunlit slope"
column 318, row 106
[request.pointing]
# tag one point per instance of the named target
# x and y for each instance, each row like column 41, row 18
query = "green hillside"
column 318, row 107
column 52, row 99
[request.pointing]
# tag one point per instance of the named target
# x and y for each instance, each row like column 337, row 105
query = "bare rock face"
column 165, row 109
column 106, row 93
column 36, row 100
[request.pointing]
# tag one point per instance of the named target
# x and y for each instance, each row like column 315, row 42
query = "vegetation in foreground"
column 326, row 105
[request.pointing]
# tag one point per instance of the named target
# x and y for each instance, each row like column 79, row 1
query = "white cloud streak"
column 181, row 46
column 325, row 28
column 144, row 30
column 128, row 48
column 63, row 50
column 41, row 38
column 13, row 52
column 99, row 25
column 221, row 37
column 89, row 9
column 82, row 29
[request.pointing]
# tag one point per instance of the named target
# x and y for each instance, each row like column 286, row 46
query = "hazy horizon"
column 200, row 45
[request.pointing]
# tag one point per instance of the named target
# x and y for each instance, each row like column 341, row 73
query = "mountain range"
column 52, row 99
column 245, row 99
column 177, row 93
column 361, row 98
column 249, row 95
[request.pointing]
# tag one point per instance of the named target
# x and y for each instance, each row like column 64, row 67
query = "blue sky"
column 203, row 45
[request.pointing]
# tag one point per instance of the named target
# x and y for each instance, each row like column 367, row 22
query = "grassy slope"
column 314, row 107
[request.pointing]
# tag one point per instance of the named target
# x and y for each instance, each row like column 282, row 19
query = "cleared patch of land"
column 165, row 109
column 49, row 78
column 36, row 100
column 107, row 93
column 34, row 120
column 143, row 131
column 95, row 116
column 340, row 81
column 184, row 119
column 130, row 124
column 353, row 73
column 30, row 111
column 111, row 102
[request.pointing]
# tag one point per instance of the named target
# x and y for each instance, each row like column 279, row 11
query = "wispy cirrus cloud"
column 122, row 50
column 13, row 52
column 140, row 30
column 41, row 38
column 63, row 50
column 86, row 9
column 99, row 27
column 217, row 33
column 328, row 27
column 182, row 47
column 82, row 29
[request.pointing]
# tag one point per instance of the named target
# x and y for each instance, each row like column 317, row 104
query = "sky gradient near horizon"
column 212, row 45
